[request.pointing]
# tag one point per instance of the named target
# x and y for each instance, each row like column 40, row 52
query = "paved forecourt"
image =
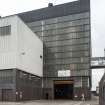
column 42, row 102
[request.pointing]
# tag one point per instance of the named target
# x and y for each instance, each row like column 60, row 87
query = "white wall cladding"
column 30, row 49
column 8, row 44
column 21, row 49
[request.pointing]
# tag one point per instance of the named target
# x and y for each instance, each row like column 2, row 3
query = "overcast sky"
column 9, row 7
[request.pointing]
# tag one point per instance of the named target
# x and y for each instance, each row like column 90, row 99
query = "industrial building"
column 66, row 33
column 102, row 91
column 21, row 61
column 57, row 69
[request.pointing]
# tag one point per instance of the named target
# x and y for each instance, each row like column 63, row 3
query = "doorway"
column 63, row 89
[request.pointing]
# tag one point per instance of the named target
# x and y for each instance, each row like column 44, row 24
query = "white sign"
column 64, row 73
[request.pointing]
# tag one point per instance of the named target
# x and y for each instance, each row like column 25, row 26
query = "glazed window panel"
column 66, row 36
column 77, row 19
column 68, row 42
column 73, row 29
column 36, row 28
column 85, row 81
column 74, row 17
column 73, row 23
column 67, row 29
column 67, row 55
column 66, row 24
column 6, row 76
column 51, row 26
column 69, row 48
column 74, row 34
column 6, row 73
column 35, row 24
column 68, row 66
column 5, row 30
column 80, row 54
column 50, row 21
column 68, row 61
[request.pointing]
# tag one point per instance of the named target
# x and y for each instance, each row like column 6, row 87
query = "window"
column 6, row 76
column 5, row 30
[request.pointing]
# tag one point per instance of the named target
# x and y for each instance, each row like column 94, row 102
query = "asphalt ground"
column 51, row 102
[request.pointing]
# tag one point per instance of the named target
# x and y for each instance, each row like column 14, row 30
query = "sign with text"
column 64, row 73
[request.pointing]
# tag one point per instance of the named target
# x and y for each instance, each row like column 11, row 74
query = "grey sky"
column 9, row 7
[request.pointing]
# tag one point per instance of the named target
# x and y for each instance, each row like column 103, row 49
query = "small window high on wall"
column 5, row 30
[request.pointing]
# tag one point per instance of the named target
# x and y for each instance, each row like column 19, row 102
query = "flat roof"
column 56, row 11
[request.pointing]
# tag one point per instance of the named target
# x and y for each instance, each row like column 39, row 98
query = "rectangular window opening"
column 5, row 30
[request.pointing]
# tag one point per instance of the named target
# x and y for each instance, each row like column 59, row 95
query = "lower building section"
column 17, row 85
column 66, row 88
column 28, row 86
column 7, row 94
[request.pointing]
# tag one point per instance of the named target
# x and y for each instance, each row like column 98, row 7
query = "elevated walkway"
column 97, row 62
